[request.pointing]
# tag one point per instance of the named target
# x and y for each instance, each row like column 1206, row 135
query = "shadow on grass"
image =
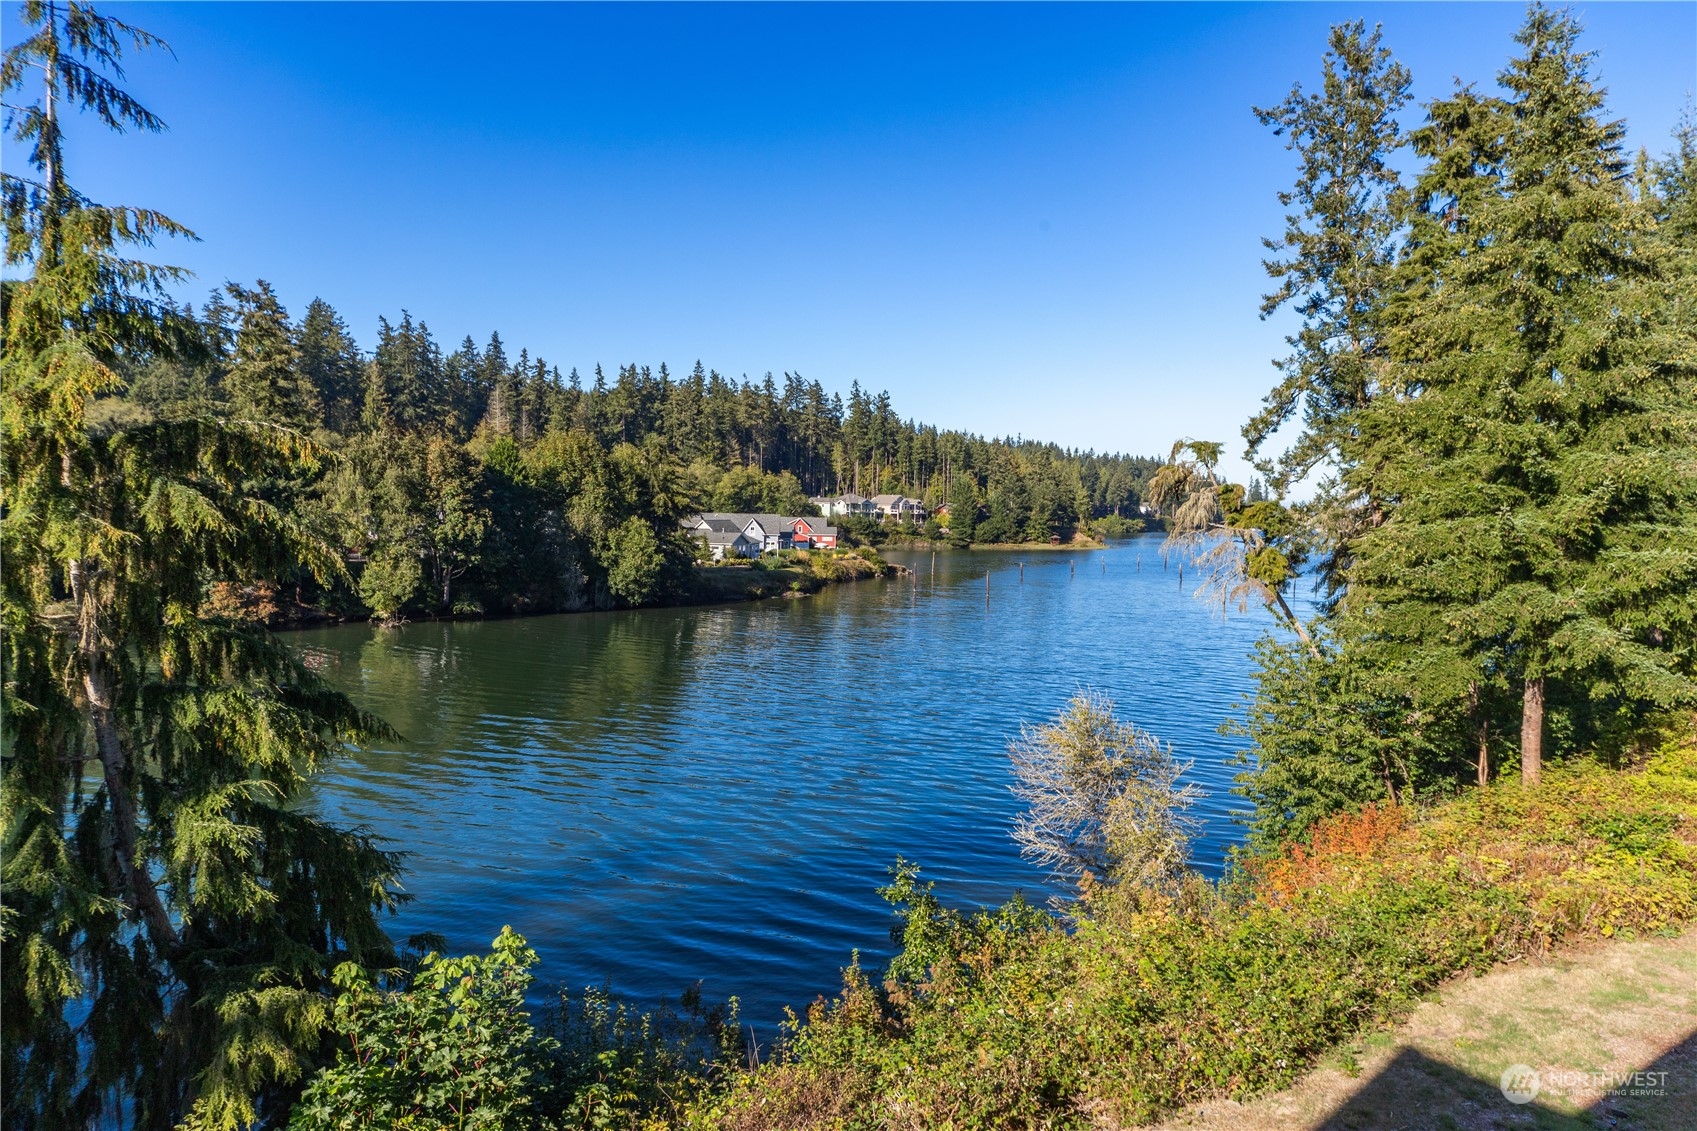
column 1415, row 1091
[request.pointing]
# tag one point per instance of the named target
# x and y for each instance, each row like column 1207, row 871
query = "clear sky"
column 1039, row 220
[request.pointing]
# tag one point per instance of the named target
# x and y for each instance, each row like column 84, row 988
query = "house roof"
column 769, row 523
column 729, row 522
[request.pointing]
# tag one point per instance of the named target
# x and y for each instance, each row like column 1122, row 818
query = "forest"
column 1477, row 746
column 477, row 482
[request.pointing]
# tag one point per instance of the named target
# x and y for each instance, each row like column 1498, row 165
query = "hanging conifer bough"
column 170, row 918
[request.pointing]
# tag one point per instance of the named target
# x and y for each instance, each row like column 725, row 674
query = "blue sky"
column 1041, row 220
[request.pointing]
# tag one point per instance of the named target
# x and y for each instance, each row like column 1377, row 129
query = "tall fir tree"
column 1332, row 265
column 265, row 381
column 331, row 361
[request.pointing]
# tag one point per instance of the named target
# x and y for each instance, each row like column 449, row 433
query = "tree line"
column 1493, row 398
column 478, row 481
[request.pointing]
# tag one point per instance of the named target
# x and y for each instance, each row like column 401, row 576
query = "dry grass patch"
column 1607, row 1010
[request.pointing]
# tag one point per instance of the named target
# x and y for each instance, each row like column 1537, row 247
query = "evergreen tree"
column 171, row 915
column 1339, row 245
column 331, row 361
column 265, row 381
column 1540, row 450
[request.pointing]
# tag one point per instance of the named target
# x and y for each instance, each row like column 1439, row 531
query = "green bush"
column 455, row 1049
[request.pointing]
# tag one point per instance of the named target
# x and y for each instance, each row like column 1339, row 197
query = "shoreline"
column 921, row 546
column 760, row 585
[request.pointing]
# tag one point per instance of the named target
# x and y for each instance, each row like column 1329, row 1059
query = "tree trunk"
column 1532, row 732
column 1483, row 765
column 1290, row 619
column 133, row 874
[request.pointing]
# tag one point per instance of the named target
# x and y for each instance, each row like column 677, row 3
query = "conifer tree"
column 331, row 361
column 1339, row 245
column 265, row 381
column 170, row 916
column 1539, row 448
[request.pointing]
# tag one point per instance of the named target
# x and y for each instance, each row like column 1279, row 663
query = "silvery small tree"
column 1105, row 806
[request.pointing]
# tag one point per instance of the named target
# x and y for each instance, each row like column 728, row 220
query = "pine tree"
column 171, row 916
column 331, row 361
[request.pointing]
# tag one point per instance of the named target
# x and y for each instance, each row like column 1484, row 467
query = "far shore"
column 944, row 546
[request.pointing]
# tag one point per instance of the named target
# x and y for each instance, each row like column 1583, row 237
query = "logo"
column 1519, row 1084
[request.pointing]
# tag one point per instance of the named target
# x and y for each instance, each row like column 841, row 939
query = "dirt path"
column 1583, row 1022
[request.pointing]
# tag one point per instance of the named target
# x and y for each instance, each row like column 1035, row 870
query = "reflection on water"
column 669, row 795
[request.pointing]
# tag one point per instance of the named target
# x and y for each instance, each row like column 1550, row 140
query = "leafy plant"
column 453, row 1050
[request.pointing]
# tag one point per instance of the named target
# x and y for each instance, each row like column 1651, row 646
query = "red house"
column 813, row 533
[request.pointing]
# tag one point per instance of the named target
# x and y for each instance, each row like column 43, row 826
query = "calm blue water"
column 663, row 796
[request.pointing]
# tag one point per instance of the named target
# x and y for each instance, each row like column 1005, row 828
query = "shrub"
column 1104, row 803
column 455, row 1049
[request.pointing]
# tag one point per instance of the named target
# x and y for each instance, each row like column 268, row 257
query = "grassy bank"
column 1008, row 1020
column 789, row 573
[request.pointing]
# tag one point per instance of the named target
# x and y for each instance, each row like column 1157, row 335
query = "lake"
column 659, row 796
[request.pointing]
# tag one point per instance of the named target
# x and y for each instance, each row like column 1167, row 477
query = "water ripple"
column 663, row 796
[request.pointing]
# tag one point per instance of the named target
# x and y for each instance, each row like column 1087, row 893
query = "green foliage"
column 1004, row 1020
column 615, row 1066
column 171, row 914
column 1540, row 455
column 1326, row 735
column 749, row 490
column 389, row 583
column 634, row 561
column 1114, row 526
column 455, row 1049
column 1495, row 373
column 1339, row 247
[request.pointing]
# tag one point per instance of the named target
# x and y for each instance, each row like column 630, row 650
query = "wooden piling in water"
column 1022, row 573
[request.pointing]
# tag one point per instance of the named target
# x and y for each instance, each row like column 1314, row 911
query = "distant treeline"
column 479, row 481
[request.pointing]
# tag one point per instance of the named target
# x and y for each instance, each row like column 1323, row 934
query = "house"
column 850, row 504
column 813, row 534
column 773, row 530
column 759, row 532
column 899, row 507
column 724, row 535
